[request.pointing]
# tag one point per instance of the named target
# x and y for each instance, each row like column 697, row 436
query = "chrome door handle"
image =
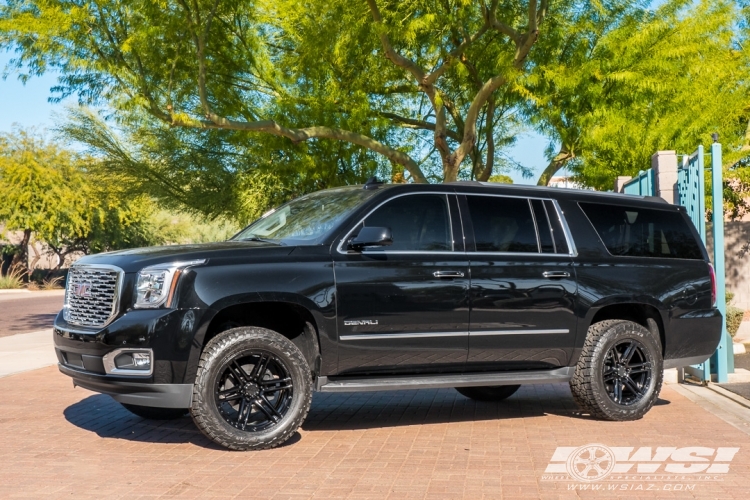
column 556, row 274
column 448, row 274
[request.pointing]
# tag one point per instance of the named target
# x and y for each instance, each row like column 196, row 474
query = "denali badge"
column 82, row 290
column 358, row 322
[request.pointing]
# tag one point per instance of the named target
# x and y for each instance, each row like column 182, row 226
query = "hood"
column 135, row 259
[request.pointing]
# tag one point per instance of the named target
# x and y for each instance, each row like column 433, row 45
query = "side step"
column 325, row 384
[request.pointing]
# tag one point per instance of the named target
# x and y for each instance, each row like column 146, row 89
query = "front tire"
column 620, row 371
column 490, row 393
column 253, row 389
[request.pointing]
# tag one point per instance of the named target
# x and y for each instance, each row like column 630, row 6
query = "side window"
column 642, row 232
column 502, row 224
column 419, row 222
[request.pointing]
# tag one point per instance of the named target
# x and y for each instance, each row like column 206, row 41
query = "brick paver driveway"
column 59, row 442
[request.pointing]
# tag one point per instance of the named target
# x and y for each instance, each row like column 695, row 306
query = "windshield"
column 306, row 220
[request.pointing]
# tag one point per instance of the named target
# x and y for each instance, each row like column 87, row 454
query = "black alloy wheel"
column 626, row 372
column 255, row 391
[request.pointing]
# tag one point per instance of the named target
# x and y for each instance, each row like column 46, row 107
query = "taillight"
column 713, row 284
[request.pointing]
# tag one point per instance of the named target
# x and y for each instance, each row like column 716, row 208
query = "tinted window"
column 418, row 222
column 640, row 232
column 542, row 224
column 502, row 224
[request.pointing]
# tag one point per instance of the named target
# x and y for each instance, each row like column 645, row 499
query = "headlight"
column 155, row 284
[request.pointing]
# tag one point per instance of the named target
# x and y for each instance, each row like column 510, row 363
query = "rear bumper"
column 135, row 393
column 692, row 337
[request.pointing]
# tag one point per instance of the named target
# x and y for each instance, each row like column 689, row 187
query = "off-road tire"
column 587, row 384
column 490, row 393
column 152, row 413
column 226, row 346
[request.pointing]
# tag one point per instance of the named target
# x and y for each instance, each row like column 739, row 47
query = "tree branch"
column 418, row 124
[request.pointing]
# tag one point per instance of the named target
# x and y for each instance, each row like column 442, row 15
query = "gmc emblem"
column 82, row 290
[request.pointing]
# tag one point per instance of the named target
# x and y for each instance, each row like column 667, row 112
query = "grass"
column 12, row 280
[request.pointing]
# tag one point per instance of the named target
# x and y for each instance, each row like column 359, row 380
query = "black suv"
column 481, row 287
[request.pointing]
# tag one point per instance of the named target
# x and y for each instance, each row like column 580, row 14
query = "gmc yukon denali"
column 479, row 287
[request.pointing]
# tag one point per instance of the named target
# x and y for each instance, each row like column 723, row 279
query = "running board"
column 325, row 384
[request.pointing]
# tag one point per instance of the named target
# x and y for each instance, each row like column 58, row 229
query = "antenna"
column 372, row 183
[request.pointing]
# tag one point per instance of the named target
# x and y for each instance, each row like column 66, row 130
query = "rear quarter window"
column 642, row 232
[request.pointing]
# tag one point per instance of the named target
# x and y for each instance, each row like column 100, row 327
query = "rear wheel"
column 253, row 389
column 151, row 413
column 620, row 371
column 491, row 393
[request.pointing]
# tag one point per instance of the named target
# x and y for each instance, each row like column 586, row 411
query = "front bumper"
column 135, row 393
column 168, row 334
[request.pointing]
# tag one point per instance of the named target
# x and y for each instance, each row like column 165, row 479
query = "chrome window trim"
column 536, row 226
column 411, row 252
column 416, row 335
column 111, row 369
column 118, row 291
column 572, row 250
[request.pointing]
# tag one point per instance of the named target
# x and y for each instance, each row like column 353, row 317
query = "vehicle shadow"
column 350, row 411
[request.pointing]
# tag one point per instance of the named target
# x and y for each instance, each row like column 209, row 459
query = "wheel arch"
column 644, row 313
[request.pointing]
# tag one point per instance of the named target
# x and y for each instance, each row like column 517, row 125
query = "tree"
column 56, row 197
column 646, row 81
column 366, row 74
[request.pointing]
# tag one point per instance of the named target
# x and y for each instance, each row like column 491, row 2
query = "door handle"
column 556, row 274
column 448, row 274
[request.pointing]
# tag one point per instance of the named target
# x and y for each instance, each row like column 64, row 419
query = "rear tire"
column 253, row 389
column 489, row 393
column 153, row 413
column 620, row 371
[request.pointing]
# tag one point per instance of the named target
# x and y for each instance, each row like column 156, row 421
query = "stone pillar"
column 620, row 182
column 664, row 164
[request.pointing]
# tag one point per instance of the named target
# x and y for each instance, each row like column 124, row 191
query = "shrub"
column 14, row 278
column 734, row 319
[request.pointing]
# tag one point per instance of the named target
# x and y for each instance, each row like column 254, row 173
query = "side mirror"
column 371, row 237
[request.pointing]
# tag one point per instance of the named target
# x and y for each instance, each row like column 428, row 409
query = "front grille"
column 91, row 295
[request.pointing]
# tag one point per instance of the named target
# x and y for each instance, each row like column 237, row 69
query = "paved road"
column 28, row 313
column 58, row 441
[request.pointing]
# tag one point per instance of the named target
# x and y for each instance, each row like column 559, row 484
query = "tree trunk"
column 22, row 257
column 556, row 164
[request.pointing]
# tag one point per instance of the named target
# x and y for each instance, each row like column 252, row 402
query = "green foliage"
column 503, row 179
column 12, row 280
column 734, row 319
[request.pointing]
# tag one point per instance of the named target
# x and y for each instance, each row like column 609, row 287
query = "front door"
column 523, row 288
column 404, row 308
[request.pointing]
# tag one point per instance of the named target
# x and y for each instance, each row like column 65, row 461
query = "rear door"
column 523, row 287
column 404, row 308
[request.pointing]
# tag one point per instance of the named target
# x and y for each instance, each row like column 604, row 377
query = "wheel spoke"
column 628, row 354
column 238, row 372
column 269, row 386
column 260, row 367
column 262, row 402
column 230, row 394
column 243, row 414
column 609, row 377
column 630, row 383
column 618, row 392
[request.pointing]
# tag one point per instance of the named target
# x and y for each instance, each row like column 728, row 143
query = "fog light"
column 142, row 360
column 128, row 361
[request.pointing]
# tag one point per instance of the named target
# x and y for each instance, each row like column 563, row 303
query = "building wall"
column 736, row 259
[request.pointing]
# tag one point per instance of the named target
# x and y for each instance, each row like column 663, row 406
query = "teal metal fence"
column 643, row 184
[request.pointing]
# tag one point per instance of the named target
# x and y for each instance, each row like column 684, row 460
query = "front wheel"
column 491, row 393
column 620, row 371
column 253, row 389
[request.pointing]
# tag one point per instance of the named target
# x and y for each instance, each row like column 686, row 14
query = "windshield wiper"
column 263, row 240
